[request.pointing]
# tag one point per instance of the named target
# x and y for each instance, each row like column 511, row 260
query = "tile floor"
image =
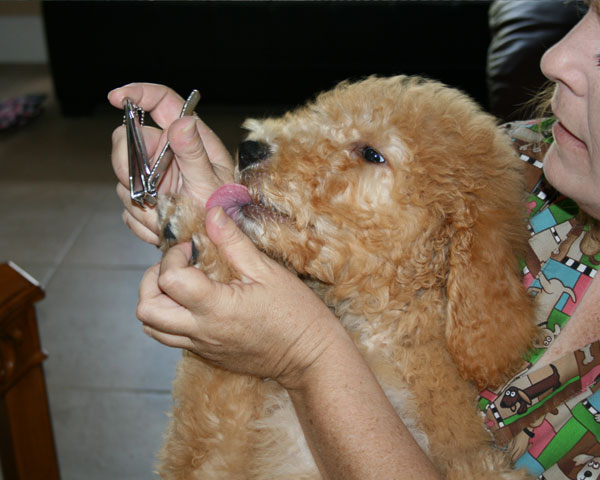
column 61, row 221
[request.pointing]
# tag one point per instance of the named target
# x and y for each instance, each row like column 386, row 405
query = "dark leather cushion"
column 521, row 31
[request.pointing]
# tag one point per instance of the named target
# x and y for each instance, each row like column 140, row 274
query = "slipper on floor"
column 18, row 111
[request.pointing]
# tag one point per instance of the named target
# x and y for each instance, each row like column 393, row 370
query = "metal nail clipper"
column 144, row 178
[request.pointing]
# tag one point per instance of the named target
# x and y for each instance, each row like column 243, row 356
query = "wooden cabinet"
column 27, row 450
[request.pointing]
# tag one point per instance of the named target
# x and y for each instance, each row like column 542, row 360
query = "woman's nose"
column 565, row 62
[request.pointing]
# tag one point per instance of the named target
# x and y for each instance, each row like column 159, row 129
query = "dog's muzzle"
column 251, row 152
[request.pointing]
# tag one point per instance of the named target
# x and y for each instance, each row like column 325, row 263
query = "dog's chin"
column 262, row 209
column 256, row 219
column 262, row 213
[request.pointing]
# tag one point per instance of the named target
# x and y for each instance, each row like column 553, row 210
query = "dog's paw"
column 179, row 220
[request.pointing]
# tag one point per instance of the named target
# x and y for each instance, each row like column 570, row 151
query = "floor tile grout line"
column 46, row 280
column 108, row 267
column 90, row 388
column 60, row 258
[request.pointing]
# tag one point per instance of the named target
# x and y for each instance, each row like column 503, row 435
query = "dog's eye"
column 372, row 155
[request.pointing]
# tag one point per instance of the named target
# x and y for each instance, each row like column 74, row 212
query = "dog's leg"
column 459, row 445
column 209, row 434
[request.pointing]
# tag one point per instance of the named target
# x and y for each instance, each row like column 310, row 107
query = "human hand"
column 269, row 324
column 201, row 163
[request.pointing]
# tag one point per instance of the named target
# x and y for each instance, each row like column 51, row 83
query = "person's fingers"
column 148, row 289
column 218, row 154
column 118, row 155
column 199, row 177
column 165, row 106
column 158, row 310
column 145, row 217
column 168, row 339
column 163, row 103
column 186, row 284
column 140, row 230
column 234, row 245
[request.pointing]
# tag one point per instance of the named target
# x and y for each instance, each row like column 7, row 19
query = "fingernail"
column 190, row 129
column 114, row 89
column 220, row 217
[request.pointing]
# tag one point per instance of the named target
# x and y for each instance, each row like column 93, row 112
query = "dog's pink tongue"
column 232, row 197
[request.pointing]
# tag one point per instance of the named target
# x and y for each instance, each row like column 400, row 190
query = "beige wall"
column 20, row 7
column 22, row 37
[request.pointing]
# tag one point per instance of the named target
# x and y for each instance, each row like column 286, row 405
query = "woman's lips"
column 565, row 138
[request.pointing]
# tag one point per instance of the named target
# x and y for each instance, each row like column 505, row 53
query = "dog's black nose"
column 251, row 152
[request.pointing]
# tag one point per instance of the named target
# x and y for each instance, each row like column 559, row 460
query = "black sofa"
column 257, row 52
column 521, row 31
column 282, row 52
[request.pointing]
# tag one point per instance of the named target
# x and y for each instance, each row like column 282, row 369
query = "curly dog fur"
column 416, row 255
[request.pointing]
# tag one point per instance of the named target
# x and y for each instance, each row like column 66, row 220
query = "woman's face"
column 572, row 164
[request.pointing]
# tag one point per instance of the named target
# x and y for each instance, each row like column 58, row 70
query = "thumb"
column 199, row 179
column 234, row 245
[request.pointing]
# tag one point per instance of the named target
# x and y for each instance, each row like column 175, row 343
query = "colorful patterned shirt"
column 548, row 418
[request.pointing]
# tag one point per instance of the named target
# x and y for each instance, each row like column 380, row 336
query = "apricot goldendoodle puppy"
column 401, row 203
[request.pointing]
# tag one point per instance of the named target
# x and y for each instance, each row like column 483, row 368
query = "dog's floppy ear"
column 582, row 459
column 490, row 322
